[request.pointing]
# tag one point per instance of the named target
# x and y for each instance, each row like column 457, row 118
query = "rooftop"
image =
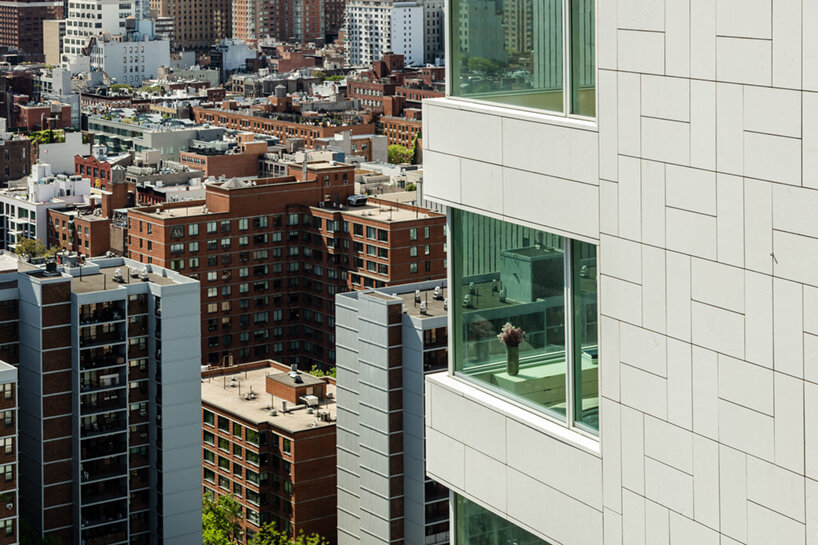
column 217, row 391
column 103, row 279
column 386, row 212
column 434, row 307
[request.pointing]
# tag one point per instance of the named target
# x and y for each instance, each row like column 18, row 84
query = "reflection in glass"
column 584, row 327
column 506, row 273
column 508, row 51
column 510, row 273
column 476, row 525
column 583, row 65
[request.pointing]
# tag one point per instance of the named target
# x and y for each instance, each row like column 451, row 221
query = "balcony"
column 100, row 358
column 94, row 426
column 104, row 491
column 103, row 447
column 93, row 336
column 103, row 468
column 99, row 516
column 99, row 313
column 101, row 380
column 101, row 403
column 111, row 534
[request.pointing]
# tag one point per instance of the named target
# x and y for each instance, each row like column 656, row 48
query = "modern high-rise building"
column 388, row 340
column 197, row 24
column 407, row 26
column 298, row 21
column 9, row 403
column 375, row 27
column 271, row 254
column 109, row 414
column 21, row 24
column 641, row 205
column 92, row 18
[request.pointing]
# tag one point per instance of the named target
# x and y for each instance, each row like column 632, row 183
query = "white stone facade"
column 698, row 183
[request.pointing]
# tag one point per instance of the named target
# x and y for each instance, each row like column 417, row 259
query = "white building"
column 407, row 32
column 130, row 59
column 368, row 30
column 648, row 219
column 24, row 210
column 92, row 18
column 409, row 28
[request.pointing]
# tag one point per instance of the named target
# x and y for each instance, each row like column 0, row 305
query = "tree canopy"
column 33, row 247
column 221, row 525
column 397, row 154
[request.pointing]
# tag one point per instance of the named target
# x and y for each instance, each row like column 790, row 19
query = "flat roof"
column 8, row 263
column 434, row 307
column 218, row 392
column 83, row 214
column 176, row 212
column 104, row 280
column 386, row 212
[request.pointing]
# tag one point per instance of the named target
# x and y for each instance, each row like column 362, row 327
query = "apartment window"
column 209, row 438
column 474, row 524
column 193, row 229
column 544, row 60
column 207, row 416
column 8, row 391
column 542, row 283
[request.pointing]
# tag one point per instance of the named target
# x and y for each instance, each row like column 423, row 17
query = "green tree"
column 269, row 535
column 397, row 154
column 411, row 187
column 33, row 247
column 220, row 521
column 318, row 372
column 320, row 75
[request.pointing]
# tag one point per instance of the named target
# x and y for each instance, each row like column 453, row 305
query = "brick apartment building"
column 21, row 24
column 15, row 159
column 83, row 229
column 399, row 124
column 272, row 253
column 35, row 117
column 245, row 120
column 9, row 528
column 99, row 450
column 240, row 161
column 198, row 24
column 268, row 438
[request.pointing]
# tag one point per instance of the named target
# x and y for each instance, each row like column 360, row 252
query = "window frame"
column 570, row 420
column 567, row 92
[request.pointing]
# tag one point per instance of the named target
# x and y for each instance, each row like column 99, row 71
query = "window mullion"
column 568, row 331
column 566, row 58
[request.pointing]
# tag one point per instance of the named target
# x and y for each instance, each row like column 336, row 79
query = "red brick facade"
column 271, row 257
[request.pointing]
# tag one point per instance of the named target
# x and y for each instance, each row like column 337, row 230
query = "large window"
column 546, row 286
column 530, row 53
column 474, row 524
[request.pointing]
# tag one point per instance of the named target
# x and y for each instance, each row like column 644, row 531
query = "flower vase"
column 512, row 360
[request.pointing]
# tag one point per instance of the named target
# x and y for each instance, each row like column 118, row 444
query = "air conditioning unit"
column 9, row 506
column 423, row 308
